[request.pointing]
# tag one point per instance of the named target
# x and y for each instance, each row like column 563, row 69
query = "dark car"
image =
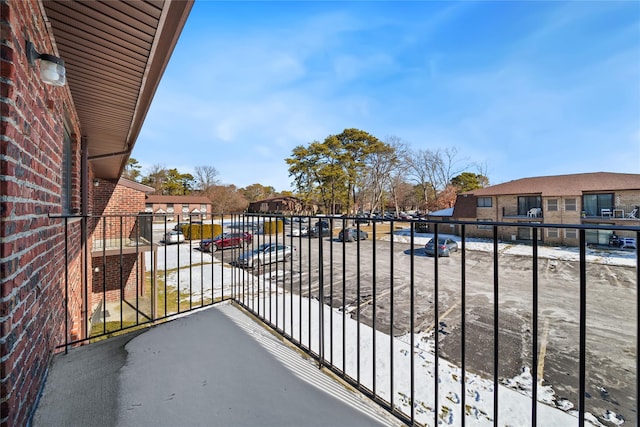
column 319, row 231
column 361, row 219
column 352, row 234
column 225, row 240
column 323, row 224
column 445, row 246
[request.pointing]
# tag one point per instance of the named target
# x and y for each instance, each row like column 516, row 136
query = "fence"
column 482, row 331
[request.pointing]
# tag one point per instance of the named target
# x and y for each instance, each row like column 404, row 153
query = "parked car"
column 445, row 246
column 319, row 231
column 266, row 253
column 362, row 219
column 322, row 223
column 225, row 240
column 300, row 230
column 173, row 236
column 352, row 234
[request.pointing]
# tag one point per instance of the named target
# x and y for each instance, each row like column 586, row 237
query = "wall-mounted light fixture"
column 96, row 182
column 52, row 70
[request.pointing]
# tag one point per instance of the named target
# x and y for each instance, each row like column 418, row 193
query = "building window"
column 485, row 202
column 484, row 227
column 552, row 232
column 592, row 204
column 552, row 205
column 169, row 205
column 570, row 205
column 526, row 203
column 571, row 233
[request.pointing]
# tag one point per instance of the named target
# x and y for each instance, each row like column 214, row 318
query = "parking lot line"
column 445, row 314
column 543, row 349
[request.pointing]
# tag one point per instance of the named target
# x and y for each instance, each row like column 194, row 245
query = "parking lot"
column 397, row 270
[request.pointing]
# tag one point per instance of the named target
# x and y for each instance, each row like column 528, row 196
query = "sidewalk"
column 216, row 367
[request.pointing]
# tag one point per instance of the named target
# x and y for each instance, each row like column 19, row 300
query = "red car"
column 225, row 240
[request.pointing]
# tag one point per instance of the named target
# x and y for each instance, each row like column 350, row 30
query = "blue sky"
column 526, row 88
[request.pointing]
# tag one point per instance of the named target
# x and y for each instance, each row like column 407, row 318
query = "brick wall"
column 32, row 268
column 115, row 277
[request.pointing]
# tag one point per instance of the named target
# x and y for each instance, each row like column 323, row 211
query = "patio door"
column 598, row 237
column 526, row 233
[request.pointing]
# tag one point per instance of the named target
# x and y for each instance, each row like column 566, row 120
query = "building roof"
column 157, row 199
column 563, row 185
column 442, row 212
column 115, row 53
column 135, row 186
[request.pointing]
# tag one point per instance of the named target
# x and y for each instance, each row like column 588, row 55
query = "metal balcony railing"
column 485, row 331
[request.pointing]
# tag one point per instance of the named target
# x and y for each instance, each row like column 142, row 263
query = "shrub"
column 201, row 231
column 272, row 227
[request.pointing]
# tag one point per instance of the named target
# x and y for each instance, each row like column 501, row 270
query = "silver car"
column 266, row 253
column 173, row 236
column 301, row 230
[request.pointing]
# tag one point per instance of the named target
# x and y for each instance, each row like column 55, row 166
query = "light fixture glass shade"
column 52, row 73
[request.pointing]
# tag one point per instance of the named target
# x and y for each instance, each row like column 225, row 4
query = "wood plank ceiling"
column 115, row 53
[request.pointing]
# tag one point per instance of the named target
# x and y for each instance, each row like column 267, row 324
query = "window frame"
column 480, row 200
column 568, row 205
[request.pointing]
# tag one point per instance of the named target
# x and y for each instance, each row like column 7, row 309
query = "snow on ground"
column 514, row 397
column 203, row 280
column 208, row 274
column 567, row 253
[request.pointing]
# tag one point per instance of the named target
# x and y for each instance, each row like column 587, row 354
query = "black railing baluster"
column 358, row 295
column 166, row 296
column 121, row 271
column 330, row 302
column 412, row 395
column 534, row 329
column 66, row 285
column 190, row 262
column 463, row 324
column 104, row 275
column 391, row 320
column 436, row 317
column 495, row 325
column 373, row 306
column 177, row 268
column 637, row 319
column 320, row 304
column 344, row 305
column 583, row 329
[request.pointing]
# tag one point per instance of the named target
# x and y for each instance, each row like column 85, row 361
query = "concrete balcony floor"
column 214, row 367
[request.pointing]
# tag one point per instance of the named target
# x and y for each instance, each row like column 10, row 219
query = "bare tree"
column 156, row 177
column 396, row 183
column 381, row 166
column 433, row 170
column 226, row 198
column 205, row 177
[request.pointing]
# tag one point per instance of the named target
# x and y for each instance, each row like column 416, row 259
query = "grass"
column 170, row 300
